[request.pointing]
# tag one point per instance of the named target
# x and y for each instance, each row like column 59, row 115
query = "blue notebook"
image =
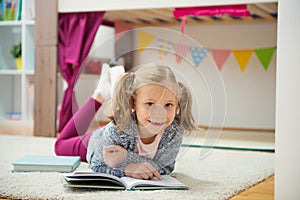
column 32, row 163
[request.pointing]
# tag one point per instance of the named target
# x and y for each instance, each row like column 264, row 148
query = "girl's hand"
column 141, row 171
column 114, row 154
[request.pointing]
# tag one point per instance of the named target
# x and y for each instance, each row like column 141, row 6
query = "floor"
column 236, row 139
column 233, row 139
column 261, row 191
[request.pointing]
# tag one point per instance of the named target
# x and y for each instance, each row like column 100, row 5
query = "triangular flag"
column 198, row 55
column 164, row 46
column 180, row 50
column 220, row 56
column 265, row 56
column 242, row 57
column 144, row 39
column 120, row 29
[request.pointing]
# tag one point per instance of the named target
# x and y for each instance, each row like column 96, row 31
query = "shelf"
column 17, row 23
column 10, row 72
column 14, row 122
column 29, row 72
column 29, row 22
column 17, row 86
column 10, row 23
column 15, row 72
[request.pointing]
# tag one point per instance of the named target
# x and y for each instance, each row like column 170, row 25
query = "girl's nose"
column 158, row 113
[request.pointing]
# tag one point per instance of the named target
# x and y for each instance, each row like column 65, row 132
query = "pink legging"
column 73, row 139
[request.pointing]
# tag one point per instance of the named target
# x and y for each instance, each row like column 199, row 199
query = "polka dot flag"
column 198, row 55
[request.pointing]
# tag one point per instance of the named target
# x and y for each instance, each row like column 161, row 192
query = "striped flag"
column 181, row 51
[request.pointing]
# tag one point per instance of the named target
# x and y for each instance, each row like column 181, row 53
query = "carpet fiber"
column 218, row 175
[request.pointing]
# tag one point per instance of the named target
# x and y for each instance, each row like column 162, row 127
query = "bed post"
column 45, row 32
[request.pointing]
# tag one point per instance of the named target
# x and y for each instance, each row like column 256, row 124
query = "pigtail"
column 185, row 116
column 122, row 101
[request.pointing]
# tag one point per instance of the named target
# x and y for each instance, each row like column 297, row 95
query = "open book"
column 108, row 181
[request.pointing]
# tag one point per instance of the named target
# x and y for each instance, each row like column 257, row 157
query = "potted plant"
column 16, row 53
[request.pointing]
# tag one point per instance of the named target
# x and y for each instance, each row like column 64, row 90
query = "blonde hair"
column 122, row 101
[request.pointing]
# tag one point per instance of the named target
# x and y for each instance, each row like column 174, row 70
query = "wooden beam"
column 96, row 5
column 254, row 9
column 268, row 7
column 45, row 32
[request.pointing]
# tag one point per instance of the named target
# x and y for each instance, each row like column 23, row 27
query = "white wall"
column 250, row 94
column 103, row 45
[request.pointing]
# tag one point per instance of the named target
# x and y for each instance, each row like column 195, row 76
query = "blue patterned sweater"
column 163, row 161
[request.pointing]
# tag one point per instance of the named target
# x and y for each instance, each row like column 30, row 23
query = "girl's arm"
column 165, row 158
column 100, row 140
column 163, row 162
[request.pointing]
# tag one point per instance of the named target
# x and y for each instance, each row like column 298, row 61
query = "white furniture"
column 17, row 85
column 287, row 161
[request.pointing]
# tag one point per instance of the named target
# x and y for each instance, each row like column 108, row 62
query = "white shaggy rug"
column 219, row 175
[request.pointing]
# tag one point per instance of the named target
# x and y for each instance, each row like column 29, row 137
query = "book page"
column 93, row 178
column 167, row 181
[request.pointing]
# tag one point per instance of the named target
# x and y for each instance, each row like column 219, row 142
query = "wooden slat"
column 268, row 7
column 166, row 14
column 119, row 15
column 96, row 5
column 260, row 12
column 45, row 32
column 151, row 16
column 45, row 91
column 45, row 22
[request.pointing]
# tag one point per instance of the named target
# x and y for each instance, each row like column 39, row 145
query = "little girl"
column 150, row 112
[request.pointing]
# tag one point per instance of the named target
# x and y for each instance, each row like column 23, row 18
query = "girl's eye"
column 149, row 104
column 168, row 105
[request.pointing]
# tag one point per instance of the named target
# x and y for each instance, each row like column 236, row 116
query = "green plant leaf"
column 16, row 50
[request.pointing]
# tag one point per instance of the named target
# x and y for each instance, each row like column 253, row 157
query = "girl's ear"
column 177, row 110
column 132, row 102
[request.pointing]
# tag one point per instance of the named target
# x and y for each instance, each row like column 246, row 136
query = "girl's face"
column 155, row 107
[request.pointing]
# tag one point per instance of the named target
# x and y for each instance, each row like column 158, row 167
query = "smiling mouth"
column 157, row 123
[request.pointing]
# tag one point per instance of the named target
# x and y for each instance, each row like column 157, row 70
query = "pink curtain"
column 76, row 33
column 233, row 10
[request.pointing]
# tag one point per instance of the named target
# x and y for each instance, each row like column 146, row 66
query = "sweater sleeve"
column 101, row 138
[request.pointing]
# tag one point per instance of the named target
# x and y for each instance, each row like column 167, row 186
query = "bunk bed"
column 136, row 13
column 287, row 53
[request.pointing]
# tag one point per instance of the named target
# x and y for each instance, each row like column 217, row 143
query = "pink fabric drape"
column 233, row 10
column 76, row 33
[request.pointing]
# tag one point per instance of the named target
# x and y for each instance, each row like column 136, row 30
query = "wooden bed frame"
column 46, row 45
column 287, row 100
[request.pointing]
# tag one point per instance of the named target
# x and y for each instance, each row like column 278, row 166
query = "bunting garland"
column 181, row 51
column 265, row 55
column 220, row 56
column 144, row 39
column 164, row 46
column 242, row 57
column 197, row 53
